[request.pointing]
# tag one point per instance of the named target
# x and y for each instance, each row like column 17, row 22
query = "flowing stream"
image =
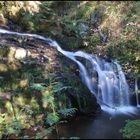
column 109, row 86
column 137, row 91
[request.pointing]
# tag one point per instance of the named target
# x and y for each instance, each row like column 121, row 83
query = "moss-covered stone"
column 79, row 94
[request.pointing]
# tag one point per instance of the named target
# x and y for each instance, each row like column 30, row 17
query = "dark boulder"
column 79, row 95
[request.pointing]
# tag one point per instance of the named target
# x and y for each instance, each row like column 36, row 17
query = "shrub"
column 131, row 130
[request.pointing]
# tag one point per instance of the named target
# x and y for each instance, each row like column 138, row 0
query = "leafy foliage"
column 14, row 128
column 67, row 112
column 52, row 118
column 58, row 87
column 131, row 129
column 70, row 138
column 32, row 99
column 9, row 128
column 44, row 133
column 74, row 138
column 37, row 87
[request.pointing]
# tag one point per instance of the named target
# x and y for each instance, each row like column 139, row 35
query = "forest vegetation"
column 43, row 90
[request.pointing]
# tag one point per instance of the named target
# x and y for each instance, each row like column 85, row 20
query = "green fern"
column 58, row 87
column 67, row 111
column 44, row 133
column 37, row 87
column 52, row 118
column 48, row 99
column 14, row 127
column 74, row 138
column 70, row 138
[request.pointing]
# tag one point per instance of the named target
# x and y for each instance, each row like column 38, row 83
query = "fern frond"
column 52, row 118
column 74, row 138
column 48, row 99
column 37, row 87
column 57, row 87
column 67, row 112
column 44, row 133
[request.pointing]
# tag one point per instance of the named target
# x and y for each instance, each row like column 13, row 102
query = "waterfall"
column 109, row 85
column 136, row 91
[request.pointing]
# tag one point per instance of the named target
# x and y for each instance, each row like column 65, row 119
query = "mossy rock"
column 79, row 94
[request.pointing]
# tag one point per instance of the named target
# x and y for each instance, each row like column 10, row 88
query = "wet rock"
column 83, row 28
column 2, row 20
column 95, row 19
column 79, row 95
column 86, row 104
column 21, row 53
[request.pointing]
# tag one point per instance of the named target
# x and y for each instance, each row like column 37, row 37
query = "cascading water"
column 112, row 88
column 136, row 91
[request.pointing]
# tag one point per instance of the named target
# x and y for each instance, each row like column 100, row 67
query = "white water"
column 112, row 89
column 136, row 91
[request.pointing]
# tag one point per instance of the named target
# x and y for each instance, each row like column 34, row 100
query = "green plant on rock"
column 131, row 129
column 67, row 112
column 52, row 91
column 2, row 124
column 75, row 138
column 44, row 133
column 52, row 118
column 7, row 128
column 14, row 128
